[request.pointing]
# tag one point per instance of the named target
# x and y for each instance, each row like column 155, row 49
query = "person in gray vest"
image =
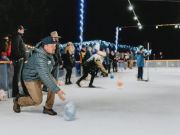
column 37, row 71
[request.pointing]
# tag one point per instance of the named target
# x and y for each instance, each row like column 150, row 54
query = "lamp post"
column 117, row 36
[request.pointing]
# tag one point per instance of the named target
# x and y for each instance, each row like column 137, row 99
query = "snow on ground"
column 139, row 108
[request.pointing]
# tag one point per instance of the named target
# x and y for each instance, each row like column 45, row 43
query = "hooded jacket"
column 140, row 58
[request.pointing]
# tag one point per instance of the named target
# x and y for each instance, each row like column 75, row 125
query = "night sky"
column 40, row 17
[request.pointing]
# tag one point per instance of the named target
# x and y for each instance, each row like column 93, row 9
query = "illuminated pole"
column 117, row 36
column 148, row 62
column 81, row 21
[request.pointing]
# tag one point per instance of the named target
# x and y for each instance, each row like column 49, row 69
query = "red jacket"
column 8, row 52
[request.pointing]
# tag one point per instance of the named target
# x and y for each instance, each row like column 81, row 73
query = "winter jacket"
column 39, row 67
column 68, row 60
column 140, row 59
column 94, row 63
column 85, row 56
column 18, row 49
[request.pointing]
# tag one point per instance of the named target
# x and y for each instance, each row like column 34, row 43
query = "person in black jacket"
column 68, row 61
column 18, row 56
column 90, row 67
column 84, row 55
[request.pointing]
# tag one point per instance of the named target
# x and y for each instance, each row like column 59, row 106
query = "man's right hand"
column 61, row 95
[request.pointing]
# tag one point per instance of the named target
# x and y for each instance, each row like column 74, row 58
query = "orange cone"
column 120, row 83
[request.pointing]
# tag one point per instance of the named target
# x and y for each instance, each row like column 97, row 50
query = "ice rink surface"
column 139, row 108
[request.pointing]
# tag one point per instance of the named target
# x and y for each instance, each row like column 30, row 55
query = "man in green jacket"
column 37, row 71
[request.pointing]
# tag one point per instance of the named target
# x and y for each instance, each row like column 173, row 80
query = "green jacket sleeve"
column 44, row 73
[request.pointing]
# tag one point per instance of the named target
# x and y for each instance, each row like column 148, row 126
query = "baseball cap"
column 48, row 40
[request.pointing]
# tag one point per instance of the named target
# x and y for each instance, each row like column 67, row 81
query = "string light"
column 131, row 8
column 139, row 24
column 135, row 18
column 174, row 25
column 140, row 27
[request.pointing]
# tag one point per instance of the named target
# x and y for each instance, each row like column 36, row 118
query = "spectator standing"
column 57, row 55
column 140, row 62
column 69, row 61
column 18, row 55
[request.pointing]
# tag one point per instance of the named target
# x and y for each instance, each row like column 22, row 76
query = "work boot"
column 66, row 83
column 16, row 106
column 91, row 86
column 70, row 82
column 78, row 83
column 49, row 111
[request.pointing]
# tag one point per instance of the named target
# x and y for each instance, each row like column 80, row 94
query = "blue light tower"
column 81, row 28
column 117, row 36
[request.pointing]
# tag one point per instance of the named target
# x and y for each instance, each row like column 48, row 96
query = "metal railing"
column 163, row 63
column 6, row 75
column 6, row 71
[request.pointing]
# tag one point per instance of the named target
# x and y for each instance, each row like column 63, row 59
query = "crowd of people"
column 39, row 70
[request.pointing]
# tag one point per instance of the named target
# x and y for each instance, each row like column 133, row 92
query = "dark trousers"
column 140, row 72
column 68, row 74
column 107, row 67
column 18, row 65
column 114, row 66
column 85, row 74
